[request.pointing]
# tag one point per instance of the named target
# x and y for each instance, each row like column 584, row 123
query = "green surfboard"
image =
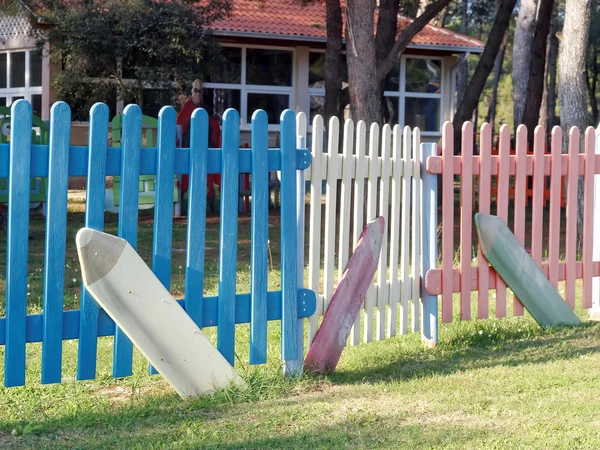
column 521, row 274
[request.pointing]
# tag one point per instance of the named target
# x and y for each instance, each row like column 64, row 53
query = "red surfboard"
column 330, row 340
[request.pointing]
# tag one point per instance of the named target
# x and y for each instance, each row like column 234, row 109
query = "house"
column 275, row 52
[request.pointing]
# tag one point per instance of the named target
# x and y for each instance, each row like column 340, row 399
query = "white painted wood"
column 405, row 228
column 416, row 230
column 361, row 166
column 384, row 202
column 374, row 171
column 394, row 293
column 314, row 242
column 125, row 287
column 334, row 162
column 345, row 196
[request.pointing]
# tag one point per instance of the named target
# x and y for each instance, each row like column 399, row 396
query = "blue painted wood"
column 56, row 240
column 163, row 205
column 260, row 235
column 228, row 235
column 106, row 327
column 289, row 232
column 128, row 217
column 78, row 161
column 196, row 230
column 429, row 318
column 17, row 243
column 94, row 218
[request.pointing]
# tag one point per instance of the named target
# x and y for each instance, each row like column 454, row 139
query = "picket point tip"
column 99, row 110
column 200, row 113
column 231, row 114
column 132, row 109
column 167, row 112
column 60, row 107
column 259, row 115
column 287, row 114
column 20, row 106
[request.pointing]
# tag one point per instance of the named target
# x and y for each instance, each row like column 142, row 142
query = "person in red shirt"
column 214, row 138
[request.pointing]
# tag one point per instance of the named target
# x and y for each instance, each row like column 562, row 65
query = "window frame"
column 26, row 92
column 246, row 89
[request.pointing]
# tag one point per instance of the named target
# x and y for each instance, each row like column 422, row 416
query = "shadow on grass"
column 468, row 352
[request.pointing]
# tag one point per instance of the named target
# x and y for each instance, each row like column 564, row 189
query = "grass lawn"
column 488, row 384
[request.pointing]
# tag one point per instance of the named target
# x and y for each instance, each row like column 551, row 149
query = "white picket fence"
column 392, row 164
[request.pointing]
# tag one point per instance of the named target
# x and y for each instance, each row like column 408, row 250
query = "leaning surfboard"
column 125, row 287
column 330, row 340
column 521, row 274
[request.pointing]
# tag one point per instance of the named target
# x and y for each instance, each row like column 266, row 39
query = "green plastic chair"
column 147, row 186
column 39, row 135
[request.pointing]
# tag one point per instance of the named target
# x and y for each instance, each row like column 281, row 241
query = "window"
column 21, row 78
column 252, row 78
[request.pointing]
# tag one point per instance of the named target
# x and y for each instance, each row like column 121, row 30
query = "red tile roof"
column 289, row 19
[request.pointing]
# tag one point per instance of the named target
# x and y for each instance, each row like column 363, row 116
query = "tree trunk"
column 552, row 60
column 463, row 69
column 571, row 79
column 365, row 101
column 491, row 117
column 535, row 89
column 438, row 20
column 544, row 111
column 333, row 59
column 593, row 83
column 483, row 69
column 522, row 56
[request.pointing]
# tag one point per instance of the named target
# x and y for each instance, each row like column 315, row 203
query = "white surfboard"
column 125, row 287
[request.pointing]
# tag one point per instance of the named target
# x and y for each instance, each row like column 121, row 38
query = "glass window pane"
column 423, row 113
column 316, row 70
column 2, row 101
column 269, row 67
column 36, row 104
column 391, row 110
column 230, row 69
column 35, row 69
column 14, row 99
column 423, row 75
column 3, row 70
column 273, row 104
column 17, row 69
column 392, row 81
column 317, row 106
column 216, row 101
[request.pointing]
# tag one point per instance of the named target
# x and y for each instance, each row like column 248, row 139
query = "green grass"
column 488, row 384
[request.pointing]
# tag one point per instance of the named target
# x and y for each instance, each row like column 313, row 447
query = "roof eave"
column 302, row 38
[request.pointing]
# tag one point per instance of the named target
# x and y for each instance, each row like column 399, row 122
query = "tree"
column 483, row 69
column 593, row 65
column 104, row 53
column 522, row 56
column 537, row 70
column 571, row 78
column 333, row 59
column 371, row 56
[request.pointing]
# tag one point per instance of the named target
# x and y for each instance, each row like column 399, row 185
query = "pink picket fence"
column 468, row 181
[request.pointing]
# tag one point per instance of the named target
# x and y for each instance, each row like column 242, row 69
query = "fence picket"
column 588, row 216
column 348, row 170
column 520, row 191
column 537, row 211
column 571, row 235
column 359, row 195
column 416, row 231
column 56, row 237
column 447, row 220
column 502, row 182
column 17, row 243
column 405, row 244
column 259, row 250
column 397, row 172
column 466, row 220
column 374, row 170
column 228, row 234
column 485, row 173
column 94, row 218
column 384, row 196
column 555, row 191
column 314, row 244
column 334, row 163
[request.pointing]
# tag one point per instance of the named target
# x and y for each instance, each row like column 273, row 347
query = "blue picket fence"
column 21, row 160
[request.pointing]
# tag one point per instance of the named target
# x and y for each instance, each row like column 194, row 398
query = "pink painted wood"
column 571, row 236
column 555, row 185
column 502, row 207
column 485, row 152
column 330, row 340
column 588, row 215
column 447, row 220
column 537, row 210
column 520, row 191
column 466, row 220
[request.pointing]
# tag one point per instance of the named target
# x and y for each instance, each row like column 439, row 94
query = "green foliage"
column 124, row 47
